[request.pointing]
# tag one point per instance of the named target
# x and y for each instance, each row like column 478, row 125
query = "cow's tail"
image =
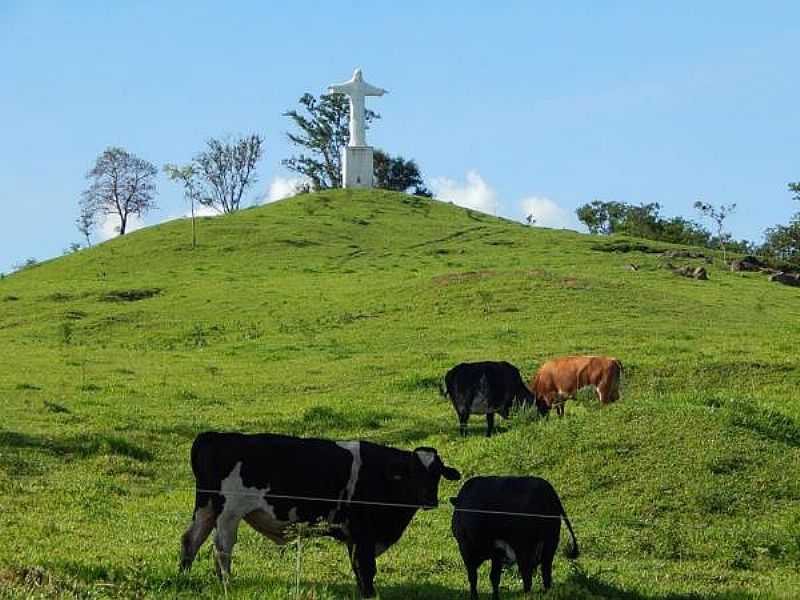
column 572, row 551
column 195, row 454
column 201, row 496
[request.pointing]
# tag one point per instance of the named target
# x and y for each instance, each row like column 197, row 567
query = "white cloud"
column 283, row 187
column 474, row 193
column 108, row 227
column 201, row 210
column 547, row 213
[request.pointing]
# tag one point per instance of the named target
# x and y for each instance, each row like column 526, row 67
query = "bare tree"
column 717, row 214
column 122, row 185
column 188, row 178
column 222, row 173
column 85, row 224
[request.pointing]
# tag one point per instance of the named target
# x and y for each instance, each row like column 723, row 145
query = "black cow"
column 508, row 538
column 485, row 388
column 251, row 477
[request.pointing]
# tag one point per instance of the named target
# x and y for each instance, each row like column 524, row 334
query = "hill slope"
column 336, row 315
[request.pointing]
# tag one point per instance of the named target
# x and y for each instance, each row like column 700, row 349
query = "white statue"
column 356, row 89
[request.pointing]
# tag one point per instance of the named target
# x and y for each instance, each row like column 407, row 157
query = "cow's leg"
column 224, row 540
column 362, row 557
column 489, row 424
column 548, row 553
column 471, row 564
column 197, row 533
column 463, row 417
column 472, row 576
column 526, row 562
column 496, row 572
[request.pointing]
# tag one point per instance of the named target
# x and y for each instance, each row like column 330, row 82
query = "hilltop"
column 336, row 314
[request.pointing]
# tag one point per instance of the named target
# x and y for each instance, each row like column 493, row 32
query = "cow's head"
column 421, row 474
column 527, row 398
column 542, row 405
column 432, row 469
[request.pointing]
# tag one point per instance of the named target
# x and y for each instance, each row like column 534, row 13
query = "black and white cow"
column 485, row 388
column 488, row 524
column 251, row 477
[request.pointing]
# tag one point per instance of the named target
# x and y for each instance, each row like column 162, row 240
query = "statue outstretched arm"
column 341, row 88
column 371, row 90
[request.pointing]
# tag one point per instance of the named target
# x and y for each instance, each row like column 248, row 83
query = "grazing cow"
column 272, row 481
column 488, row 524
column 561, row 378
column 485, row 388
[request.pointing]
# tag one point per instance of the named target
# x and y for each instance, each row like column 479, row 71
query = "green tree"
column 644, row 220
column 601, row 217
column 122, row 185
column 782, row 242
column 683, row 231
column 795, row 188
column 322, row 131
column 641, row 221
column 398, row 174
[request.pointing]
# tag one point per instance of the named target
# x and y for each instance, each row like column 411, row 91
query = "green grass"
column 336, row 315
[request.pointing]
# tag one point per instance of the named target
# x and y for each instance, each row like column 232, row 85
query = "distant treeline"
column 781, row 242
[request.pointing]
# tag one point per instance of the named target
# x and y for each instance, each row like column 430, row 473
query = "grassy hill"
column 336, row 315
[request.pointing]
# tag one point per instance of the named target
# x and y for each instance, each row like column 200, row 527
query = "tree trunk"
column 194, row 230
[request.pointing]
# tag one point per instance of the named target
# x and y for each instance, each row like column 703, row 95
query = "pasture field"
column 336, row 315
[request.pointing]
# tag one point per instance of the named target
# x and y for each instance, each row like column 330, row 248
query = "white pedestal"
column 357, row 167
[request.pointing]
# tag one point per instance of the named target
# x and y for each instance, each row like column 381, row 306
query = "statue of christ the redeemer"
column 356, row 89
column 357, row 164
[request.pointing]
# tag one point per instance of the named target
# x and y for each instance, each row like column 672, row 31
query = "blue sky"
column 514, row 107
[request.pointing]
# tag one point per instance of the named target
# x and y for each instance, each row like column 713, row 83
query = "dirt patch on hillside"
column 625, row 246
column 465, row 277
column 131, row 295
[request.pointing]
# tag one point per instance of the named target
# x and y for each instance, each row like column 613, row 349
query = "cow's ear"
column 450, row 473
column 427, row 456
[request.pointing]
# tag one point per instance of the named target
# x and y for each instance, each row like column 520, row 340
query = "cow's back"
column 277, row 464
column 500, row 381
column 512, row 509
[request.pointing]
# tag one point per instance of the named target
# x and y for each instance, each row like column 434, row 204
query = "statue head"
column 357, row 75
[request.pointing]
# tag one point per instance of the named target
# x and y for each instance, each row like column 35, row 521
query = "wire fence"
column 342, row 501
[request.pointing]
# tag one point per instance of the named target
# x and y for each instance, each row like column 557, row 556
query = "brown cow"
column 561, row 378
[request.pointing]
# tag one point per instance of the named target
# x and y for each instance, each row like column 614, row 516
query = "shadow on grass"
column 188, row 431
column 374, row 425
column 766, row 423
column 75, row 446
column 580, row 584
